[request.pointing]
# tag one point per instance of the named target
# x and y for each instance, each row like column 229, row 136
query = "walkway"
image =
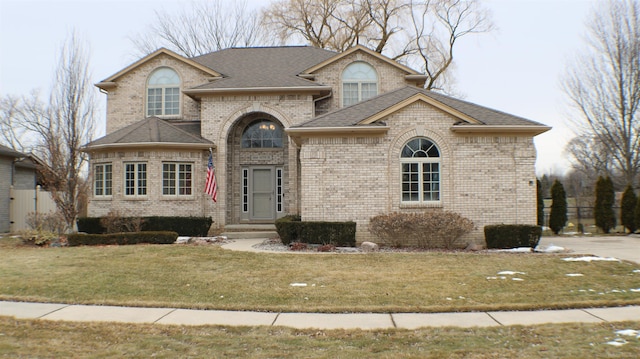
column 96, row 313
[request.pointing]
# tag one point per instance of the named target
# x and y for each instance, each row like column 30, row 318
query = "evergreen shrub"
column 292, row 229
column 81, row 239
column 507, row 236
column 184, row 226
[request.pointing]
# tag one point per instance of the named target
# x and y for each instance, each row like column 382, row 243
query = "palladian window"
column 420, row 161
column 163, row 93
column 262, row 134
column 359, row 83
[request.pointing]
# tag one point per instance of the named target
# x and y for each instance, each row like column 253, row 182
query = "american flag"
column 211, row 187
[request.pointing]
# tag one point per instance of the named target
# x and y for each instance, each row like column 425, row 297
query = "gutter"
column 257, row 90
column 526, row 129
column 110, row 146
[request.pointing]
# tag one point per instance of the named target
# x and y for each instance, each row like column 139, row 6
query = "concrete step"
column 250, row 231
column 250, row 234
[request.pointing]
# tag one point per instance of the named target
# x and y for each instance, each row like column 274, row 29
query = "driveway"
column 621, row 247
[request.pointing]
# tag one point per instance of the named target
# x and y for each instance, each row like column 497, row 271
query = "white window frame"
column 362, row 80
column 163, row 89
column 177, row 183
column 420, row 163
column 105, row 179
column 138, row 180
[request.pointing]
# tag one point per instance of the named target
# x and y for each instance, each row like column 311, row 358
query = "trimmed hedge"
column 292, row 229
column 185, row 226
column 506, row 236
column 122, row 238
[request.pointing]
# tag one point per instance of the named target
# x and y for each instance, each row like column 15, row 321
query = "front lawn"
column 207, row 277
column 49, row 339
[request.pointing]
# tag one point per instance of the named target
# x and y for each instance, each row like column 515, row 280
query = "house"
column 301, row 130
column 17, row 172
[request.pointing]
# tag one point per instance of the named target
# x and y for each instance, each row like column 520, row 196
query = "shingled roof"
column 469, row 113
column 262, row 67
column 151, row 131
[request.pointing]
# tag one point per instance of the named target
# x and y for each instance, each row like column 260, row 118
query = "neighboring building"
column 301, row 130
column 17, row 170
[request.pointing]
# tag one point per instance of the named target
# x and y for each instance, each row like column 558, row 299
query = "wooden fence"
column 25, row 201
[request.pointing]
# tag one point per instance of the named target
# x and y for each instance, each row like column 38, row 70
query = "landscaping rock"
column 369, row 247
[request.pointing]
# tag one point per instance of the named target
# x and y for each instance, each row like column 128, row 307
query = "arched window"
column 420, row 161
column 262, row 134
column 163, row 93
column 359, row 82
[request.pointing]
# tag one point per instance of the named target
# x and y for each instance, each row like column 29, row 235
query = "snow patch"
column 514, row 250
column 552, row 249
column 618, row 342
column 629, row 333
column 574, row 275
column 298, row 284
column 508, row 272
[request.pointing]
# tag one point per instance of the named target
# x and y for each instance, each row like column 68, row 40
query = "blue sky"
column 515, row 69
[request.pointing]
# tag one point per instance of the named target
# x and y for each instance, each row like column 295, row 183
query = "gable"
column 372, row 112
column 365, row 52
column 110, row 82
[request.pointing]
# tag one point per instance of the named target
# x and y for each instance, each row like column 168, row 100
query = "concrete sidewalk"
column 96, row 313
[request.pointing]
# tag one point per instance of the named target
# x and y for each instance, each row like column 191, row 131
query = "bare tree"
column 59, row 128
column 424, row 33
column 603, row 86
column 438, row 25
column 202, row 28
column 590, row 157
column 12, row 134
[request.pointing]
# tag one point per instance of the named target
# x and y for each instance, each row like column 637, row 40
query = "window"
column 176, row 179
column 359, row 83
column 163, row 93
column 420, row 161
column 135, row 179
column 262, row 134
column 102, row 184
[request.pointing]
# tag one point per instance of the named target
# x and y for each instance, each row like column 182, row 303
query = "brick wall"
column 154, row 203
column 126, row 103
column 485, row 178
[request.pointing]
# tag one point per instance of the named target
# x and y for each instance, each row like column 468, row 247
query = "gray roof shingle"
column 352, row 115
column 152, row 130
column 259, row 67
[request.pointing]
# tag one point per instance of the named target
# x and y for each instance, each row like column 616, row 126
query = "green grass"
column 48, row 339
column 208, row 277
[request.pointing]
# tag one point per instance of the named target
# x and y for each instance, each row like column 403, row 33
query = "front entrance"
column 262, row 193
column 261, row 203
column 257, row 161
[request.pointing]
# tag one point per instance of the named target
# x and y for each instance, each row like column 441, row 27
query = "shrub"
column 627, row 209
column 540, row 205
column 603, row 210
column 38, row 237
column 558, row 215
column 52, row 222
column 292, row 229
column 433, row 229
column 185, row 226
column 114, row 222
column 90, row 225
column 79, row 239
column 505, row 236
